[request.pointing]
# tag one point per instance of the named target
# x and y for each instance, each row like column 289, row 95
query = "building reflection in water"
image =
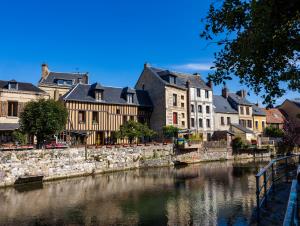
column 202, row 194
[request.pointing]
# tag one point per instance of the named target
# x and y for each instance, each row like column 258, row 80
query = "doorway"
column 100, row 138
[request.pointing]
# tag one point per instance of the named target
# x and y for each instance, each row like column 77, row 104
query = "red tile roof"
column 274, row 116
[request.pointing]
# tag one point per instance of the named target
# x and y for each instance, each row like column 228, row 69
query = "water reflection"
column 205, row 194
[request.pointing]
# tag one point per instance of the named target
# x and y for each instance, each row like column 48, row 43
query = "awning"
column 9, row 126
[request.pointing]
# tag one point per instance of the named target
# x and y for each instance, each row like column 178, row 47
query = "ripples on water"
column 216, row 193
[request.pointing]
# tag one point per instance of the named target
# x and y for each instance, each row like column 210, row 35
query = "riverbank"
column 65, row 163
column 75, row 162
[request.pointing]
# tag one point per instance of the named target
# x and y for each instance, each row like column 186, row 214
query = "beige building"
column 168, row 95
column 56, row 84
column 13, row 98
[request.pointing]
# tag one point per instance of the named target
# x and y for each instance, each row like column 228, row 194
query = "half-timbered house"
column 96, row 112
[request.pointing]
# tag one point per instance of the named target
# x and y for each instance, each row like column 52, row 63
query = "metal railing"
column 267, row 177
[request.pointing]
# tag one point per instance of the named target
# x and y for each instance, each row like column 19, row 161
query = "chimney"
column 45, row 71
column 209, row 83
column 146, row 64
column 242, row 93
column 187, row 84
column 197, row 75
column 225, row 92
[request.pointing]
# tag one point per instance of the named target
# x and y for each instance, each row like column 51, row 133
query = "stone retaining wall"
column 57, row 164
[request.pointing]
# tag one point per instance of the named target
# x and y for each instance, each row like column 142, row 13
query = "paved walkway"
column 273, row 213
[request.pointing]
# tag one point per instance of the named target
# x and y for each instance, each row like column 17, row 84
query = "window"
column 228, row 120
column 182, row 97
column 263, row 124
column 243, row 122
column 200, row 108
column 208, row 136
column 98, row 95
column 12, row 108
column 198, row 92
column 182, row 115
column 132, row 118
column 174, row 100
column 175, row 118
column 256, row 124
column 183, row 123
column 95, row 117
column 13, row 85
column 200, row 122
column 249, row 123
column 247, row 111
column 192, row 122
column 124, row 119
column 222, row 121
column 130, row 98
column 81, row 116
column 118, row 111
column 192, row 108
column 241, row 110
column 207, row 109
column 64, row 82
column 208, row 123
column 172, row 79
column 182, row 105
column 206, row 94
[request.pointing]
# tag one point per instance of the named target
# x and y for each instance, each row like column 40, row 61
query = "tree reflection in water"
column 202, row 194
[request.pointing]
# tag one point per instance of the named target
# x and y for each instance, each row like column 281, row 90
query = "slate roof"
column 111, row 95
column 222, row 105
column 258, row 111
column 239, row 100
column 22, row 86
column 296, row 101
column 181, row 78
column 246, row 130
column 9, row 126
column 274, row 115
column 54, row 76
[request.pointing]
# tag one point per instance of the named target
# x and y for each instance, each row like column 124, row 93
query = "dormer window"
column 62, row 82
column 99, row 95
column 98, row 91
column 172, row 79
column 130, row 98
column 13, row 85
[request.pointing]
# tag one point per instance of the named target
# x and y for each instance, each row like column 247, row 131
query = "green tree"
column 260, row 43
column 43, row 118
column 273, row 132
column 170, row 131
column 19, row 137
column 132, row 130
column 237, row 144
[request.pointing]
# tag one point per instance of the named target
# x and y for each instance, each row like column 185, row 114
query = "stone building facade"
column 56, row 84
column 168, row 97
column 13, row 98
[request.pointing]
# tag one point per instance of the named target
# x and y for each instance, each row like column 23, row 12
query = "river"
column 214, row 193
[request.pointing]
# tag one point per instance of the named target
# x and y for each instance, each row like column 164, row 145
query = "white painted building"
column 200, row 107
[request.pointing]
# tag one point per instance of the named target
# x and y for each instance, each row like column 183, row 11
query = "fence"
column 276, row 170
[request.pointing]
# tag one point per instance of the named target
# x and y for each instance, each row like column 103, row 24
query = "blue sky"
column 110, row 39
